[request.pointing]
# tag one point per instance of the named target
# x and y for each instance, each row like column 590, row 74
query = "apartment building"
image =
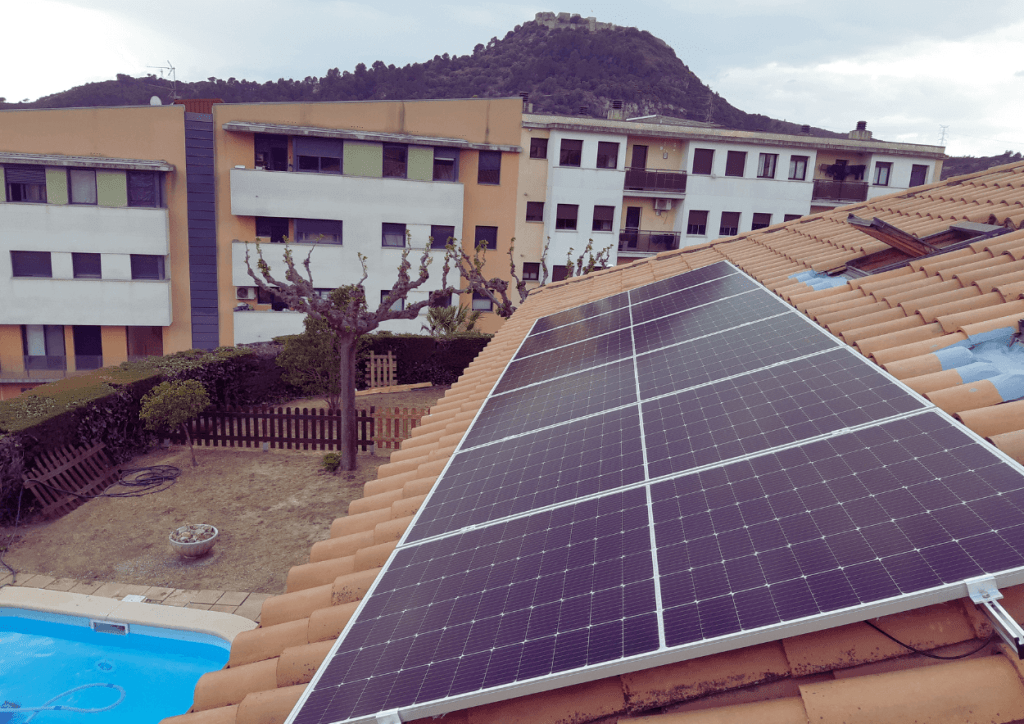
column 93, row 228
column 124, row 231
column 653, row 184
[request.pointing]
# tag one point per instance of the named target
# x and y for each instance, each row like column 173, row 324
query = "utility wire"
column 985, row 643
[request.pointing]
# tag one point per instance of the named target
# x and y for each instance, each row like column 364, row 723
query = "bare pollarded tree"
column 345, row 311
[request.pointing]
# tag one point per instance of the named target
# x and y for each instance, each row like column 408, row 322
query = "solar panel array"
column 655, row 472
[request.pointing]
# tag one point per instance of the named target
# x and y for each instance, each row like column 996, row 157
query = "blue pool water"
column 56, row 661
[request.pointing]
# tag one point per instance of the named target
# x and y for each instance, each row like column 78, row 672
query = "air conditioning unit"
column 663, row 204
column 246, row 293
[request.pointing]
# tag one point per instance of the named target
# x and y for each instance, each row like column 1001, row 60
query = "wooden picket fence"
column 381, row 370
column 85, row 471
column 299, row 429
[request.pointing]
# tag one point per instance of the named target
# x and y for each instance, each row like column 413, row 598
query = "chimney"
column 584, row 111
column 861, row 133
column 616, row 113
column 527, row 106
column 806, row 130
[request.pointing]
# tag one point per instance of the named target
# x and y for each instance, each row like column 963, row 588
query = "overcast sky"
column 907, row 67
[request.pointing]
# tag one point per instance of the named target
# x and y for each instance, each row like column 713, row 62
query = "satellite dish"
column 155, row 101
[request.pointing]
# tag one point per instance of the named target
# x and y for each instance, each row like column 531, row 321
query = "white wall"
column 361, row 203
column 83, row 301
column 748, row 194
column 49, row 227
column 586, row 186
column 899, row 176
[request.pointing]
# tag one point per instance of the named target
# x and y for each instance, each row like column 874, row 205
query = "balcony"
column 641, row 179
column 829, row 190
column 647, row 242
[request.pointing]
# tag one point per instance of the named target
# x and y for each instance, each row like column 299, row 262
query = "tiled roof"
column 917, row 321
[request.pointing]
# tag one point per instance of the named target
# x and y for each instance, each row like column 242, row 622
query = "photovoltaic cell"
column 728, row 353
column 706, row 293
column 565, row 360
column 681, row 281
column 528, row 598
column 578, row 458
column 777, row 406
column 571, row 333
column 526, row 409
column 585, row 312
column 708, row 319
column 856, row 519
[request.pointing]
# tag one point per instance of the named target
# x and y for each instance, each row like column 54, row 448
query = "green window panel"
column 364, row 159
column 57, row 185
column 421, row 163
column 111, row 188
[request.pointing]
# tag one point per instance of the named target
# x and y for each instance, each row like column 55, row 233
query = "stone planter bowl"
column 197, row 548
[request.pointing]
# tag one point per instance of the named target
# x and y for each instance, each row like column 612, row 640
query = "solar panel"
column 699, row 469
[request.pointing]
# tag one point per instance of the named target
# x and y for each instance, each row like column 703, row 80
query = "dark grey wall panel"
column 202, row 230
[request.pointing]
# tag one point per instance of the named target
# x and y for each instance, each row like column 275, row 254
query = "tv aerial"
column 171, row 75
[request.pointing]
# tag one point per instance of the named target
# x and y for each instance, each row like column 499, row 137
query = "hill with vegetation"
column 960, row 165
column 563, row 64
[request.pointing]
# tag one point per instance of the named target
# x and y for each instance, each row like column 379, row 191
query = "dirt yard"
column 270, row 507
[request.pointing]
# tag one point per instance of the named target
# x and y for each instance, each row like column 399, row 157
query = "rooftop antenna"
column 942, row 135
column 173, row 76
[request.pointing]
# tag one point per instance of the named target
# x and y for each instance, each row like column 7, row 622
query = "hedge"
column 423, row 359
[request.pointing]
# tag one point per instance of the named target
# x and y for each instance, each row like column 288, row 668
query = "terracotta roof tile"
column 298, row 664
column 269, row 707
column 789, row 710
column 966, row 397
column 949, row 256
column 326, row 624
column 997, row 310
column 962, row 300
column 686, row 680
column 578, row 703
column 861, row 317
column 1011, row 443
column 1007, row 274
column 944, row 693
column 230, row 686
column 223, row 715
column 915, row 348
column 876, row 331
column 989, row 421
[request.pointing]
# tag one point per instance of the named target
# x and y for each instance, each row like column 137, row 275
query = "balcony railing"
column 651, row 242
column 641, row 179
column 828, row 190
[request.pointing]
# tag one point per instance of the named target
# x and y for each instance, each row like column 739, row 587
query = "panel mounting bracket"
column 985, row 595
column 389, row 717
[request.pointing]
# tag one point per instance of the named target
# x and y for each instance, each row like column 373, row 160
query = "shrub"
column 331, row 462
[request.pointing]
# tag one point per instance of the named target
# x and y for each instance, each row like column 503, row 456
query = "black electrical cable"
column 985, row 643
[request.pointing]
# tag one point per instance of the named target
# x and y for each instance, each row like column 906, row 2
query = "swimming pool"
column 70, row 669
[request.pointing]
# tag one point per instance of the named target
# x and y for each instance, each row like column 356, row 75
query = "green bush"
column 331, row 462
column 424, row 359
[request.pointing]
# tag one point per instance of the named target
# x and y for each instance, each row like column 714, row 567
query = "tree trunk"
column 347, row 376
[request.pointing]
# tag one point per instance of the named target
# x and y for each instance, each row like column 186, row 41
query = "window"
column 639, row 157
column 565, row 218
column 697, row 224
column 607, row 155
column 603, row 218
column 271, row 152
column 882, row 171
column 918, row 175
column 791, row 217
column 86, row 266
column 730, row 223
column 481, row 302
column 735, row 163
column 535, row 211
column 766, row 165
column 702, row 160
column 446, row 164
column 571, row 153
column 538, row 148
column 531, row 271
column 488, row 235
column 393, row 235
column 396, row 160
column 797, row 168
column 31, row 264
column 26, row 183
column 273, row 228
column 318, row 155
column 88, row 347
column 397, row 306
column 323, row 231
column 761, row 221
column 489, row 168
column 559, row 272
column 82, row 186
column 144, row 189
column 43, row 346
column 441, row 235
column 147, row 266
column 271, row 298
